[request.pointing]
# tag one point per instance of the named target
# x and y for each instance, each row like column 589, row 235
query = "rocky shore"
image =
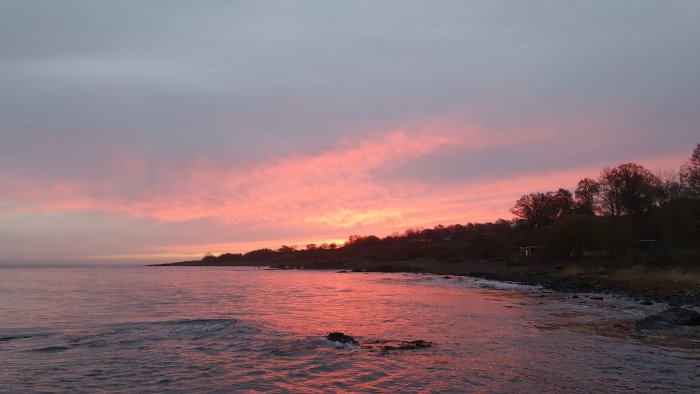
column 598, row 283
column 672, row 285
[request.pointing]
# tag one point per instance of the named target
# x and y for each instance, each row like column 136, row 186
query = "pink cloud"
column 332, row 193
column 285, row 190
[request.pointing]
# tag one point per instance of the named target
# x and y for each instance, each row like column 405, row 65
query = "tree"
column 530, row 207
column 609, row 192
column 669, row 188
column 628, row 189
column 362, row 239
column 587, row 192
column 287, row 249
column 208, row 258
column 562, row 199
column 690, row 172
column 539, row 209
column 570, row 236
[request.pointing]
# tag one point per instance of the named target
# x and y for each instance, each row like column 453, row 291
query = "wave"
column 340, row 345
column 11, row 338
column 14, row 337
column 52, row 349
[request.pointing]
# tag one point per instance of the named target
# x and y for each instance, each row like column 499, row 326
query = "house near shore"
column 533, row 252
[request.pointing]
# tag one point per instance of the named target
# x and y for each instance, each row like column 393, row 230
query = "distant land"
column 627, row 231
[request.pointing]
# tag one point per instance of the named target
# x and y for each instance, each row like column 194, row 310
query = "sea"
column 246, row 329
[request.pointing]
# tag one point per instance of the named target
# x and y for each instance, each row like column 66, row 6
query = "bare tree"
column 628, row 189
column 669, row 188
column 690, row 172
column 539, row 209
column 587, row 192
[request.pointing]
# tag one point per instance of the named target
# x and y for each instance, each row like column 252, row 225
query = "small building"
column 533, row 252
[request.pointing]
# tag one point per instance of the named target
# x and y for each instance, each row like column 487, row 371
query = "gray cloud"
column 82, row 82
column 247, row 69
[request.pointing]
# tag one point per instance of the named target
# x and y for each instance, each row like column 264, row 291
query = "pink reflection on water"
column 231, row 329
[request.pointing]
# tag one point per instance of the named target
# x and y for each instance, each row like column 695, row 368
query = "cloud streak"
column 335, row 188
column 283, row 190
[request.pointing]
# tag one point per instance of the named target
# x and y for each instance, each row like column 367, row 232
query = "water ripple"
column 255, row 330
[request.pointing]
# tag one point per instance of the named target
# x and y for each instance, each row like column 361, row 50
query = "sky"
column 134, row 131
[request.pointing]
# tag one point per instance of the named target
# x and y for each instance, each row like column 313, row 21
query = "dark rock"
column 387, row 345
column 574, row 296
column 596, row 298
column 647, row 303
column 342, row 338
column 670, row 318
column 418, row 344
column 379, row 341
column 342, row 272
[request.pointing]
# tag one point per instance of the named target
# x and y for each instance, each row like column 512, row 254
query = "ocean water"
column 225, row 329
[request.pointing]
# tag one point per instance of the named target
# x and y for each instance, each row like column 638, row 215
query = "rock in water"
column 670, row 318
column 404, row 345
column 415, row 344
column 342, row 338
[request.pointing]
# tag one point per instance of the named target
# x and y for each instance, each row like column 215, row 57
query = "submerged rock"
column 670, row 318
column 386, row 345
column 418, row 344
column 342, row 338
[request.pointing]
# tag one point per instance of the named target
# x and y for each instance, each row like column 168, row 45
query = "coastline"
column 672, row 285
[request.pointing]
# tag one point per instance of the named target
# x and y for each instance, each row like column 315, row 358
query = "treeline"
column 448, row 243
column 625, row 211
column 625, row 207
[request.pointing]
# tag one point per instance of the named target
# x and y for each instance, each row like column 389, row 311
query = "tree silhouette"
column 628, row 189
column 539, row 209
column 587, row 192
column 690, row 172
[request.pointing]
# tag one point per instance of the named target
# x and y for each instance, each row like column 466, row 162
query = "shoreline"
column 673, row 285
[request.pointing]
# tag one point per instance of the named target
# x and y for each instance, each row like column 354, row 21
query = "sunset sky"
column 160, row 130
